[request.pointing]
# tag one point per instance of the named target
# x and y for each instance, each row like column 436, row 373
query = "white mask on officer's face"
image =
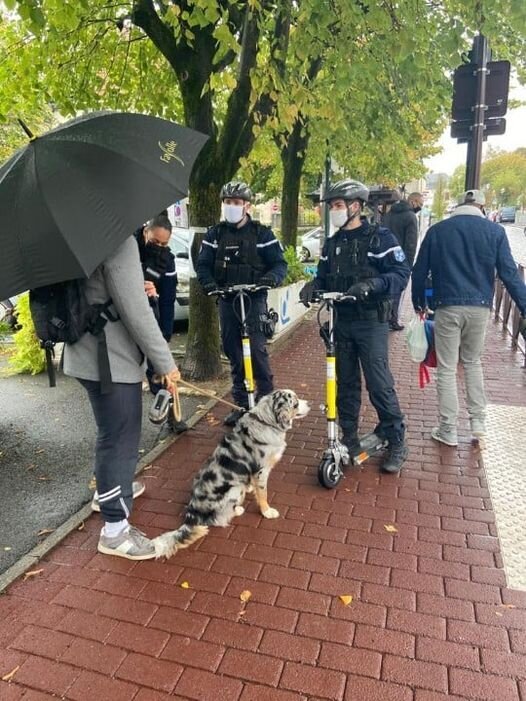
column 234, row 213
column 339, row 217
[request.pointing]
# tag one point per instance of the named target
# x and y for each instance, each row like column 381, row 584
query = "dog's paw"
column 239, row 510
column 271, row 513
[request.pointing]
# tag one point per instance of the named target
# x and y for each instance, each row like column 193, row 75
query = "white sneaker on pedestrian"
column 138, row 489
column 131, row 544
column 446, row 436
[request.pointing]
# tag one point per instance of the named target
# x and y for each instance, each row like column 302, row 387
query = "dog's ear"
column 283, row 410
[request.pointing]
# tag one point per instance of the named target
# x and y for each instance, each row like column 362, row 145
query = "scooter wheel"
column 329, row 474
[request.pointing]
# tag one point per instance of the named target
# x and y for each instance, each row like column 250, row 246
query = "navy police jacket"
column 384, row 255
column 463, row 253
column 269, row 250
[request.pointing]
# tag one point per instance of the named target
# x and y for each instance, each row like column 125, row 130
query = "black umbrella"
column 70, row 197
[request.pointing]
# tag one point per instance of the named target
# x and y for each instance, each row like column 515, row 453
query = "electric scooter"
column 242, row 299
column 336, row 456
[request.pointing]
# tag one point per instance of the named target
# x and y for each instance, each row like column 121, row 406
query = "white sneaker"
column 131, row 544
column 138, row 489
column 447, row 437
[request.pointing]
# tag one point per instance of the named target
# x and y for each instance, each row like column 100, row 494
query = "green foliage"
column 503, row 178
column 296, row 269
column 27, row 357
column 439, row 200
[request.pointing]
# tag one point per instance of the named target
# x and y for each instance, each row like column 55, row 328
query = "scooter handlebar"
column 335, row 297
column 234, row 289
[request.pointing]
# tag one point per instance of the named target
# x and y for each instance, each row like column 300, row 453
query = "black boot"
column 396, row 456
column 396, row 325
column 234, row 416
column 351, row 441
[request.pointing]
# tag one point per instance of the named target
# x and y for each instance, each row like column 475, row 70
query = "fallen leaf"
column 7, row 548
column 346, row 489
column 345, row 599
column 32, row 573
column 498, row 613
column 8, row 677
column 43, row 478
column 45, row 531
column 245, row 595
column 81, row 527
column 508, row 606
column 390, row 529
column 148, row 467
column 39, row 451
column 185, row 585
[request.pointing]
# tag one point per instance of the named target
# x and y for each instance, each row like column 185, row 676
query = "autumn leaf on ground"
column 390, row 528
column 245, row 595
column 7, row 548
column 81, row 527
column 185, row 585
column 45, row 531
column 346, row 599
column 32, row 573
column 8, row 677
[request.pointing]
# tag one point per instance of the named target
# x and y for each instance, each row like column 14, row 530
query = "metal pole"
column 326, row 185
column 480, row 53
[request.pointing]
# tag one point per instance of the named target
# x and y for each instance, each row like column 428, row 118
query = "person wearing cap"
column 241, row 251
column 463, row 253
column 366, row 261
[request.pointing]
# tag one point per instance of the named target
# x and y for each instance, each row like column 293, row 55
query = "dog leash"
column 177, row 402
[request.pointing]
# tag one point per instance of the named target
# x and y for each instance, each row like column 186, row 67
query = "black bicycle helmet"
column 236, row 190
column 348, row 190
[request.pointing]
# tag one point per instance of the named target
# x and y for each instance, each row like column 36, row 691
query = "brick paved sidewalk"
column 430, row 618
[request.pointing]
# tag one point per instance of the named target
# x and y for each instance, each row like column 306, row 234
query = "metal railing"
column 507, row 312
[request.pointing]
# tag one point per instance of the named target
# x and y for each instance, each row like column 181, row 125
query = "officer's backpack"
column 62, row 314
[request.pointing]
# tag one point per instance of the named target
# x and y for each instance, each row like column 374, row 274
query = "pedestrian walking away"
column 401, row 219
column 132, row 337
column 366, row 262
column 241, row 251
column 462, row 254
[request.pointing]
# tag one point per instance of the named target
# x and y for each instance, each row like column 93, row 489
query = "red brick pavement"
column 430, row 618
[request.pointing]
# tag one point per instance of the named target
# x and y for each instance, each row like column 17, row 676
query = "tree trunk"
column 293, row 159
column 202, row 358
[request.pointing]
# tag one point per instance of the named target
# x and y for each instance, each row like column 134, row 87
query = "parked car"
column 310, row 245
column 506, row 214
column 180, row 242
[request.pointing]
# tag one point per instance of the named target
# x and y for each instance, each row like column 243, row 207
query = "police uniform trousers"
column 364, row 343
column 231, row 339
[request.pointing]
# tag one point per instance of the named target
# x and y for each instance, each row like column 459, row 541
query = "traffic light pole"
column 480, row 55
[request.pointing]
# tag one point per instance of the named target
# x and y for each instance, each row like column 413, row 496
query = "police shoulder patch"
column 399, row 255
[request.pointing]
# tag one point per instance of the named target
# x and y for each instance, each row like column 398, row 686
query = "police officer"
column 160, row 284
column 366, row 261
column 241, row 251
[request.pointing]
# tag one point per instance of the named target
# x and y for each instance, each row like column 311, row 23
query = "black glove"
column 522, row 327
column 307, row 293
column 267, row 281
column 361, row 290
column 209, row 288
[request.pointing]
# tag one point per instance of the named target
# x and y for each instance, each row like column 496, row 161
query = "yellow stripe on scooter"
column 247, row 364
column 331, row 388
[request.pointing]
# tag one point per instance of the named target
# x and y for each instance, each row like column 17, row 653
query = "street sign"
column 492, row 127
column 465, row 90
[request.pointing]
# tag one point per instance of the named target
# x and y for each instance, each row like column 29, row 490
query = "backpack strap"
column 103, row 314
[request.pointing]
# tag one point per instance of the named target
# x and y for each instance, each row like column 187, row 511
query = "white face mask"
column 234, row 213
column 339, row 217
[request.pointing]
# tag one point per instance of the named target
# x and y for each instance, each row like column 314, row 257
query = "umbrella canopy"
column 69, row 198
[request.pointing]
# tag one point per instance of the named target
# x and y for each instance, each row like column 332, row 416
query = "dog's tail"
column 169, row 543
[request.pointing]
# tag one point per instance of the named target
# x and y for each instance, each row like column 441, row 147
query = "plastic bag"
column 417, row 339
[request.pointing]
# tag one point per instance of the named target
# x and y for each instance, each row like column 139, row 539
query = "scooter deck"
column 370, row 444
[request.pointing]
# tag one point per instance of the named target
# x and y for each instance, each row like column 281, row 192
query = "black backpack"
column 62, row 314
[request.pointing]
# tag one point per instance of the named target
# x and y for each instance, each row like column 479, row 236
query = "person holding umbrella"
column 118, row 413
column 69, row 200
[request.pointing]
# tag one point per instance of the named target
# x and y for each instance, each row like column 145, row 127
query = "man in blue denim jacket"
column 463, row 253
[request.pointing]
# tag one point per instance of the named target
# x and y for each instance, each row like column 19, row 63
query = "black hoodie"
column 402, row 221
